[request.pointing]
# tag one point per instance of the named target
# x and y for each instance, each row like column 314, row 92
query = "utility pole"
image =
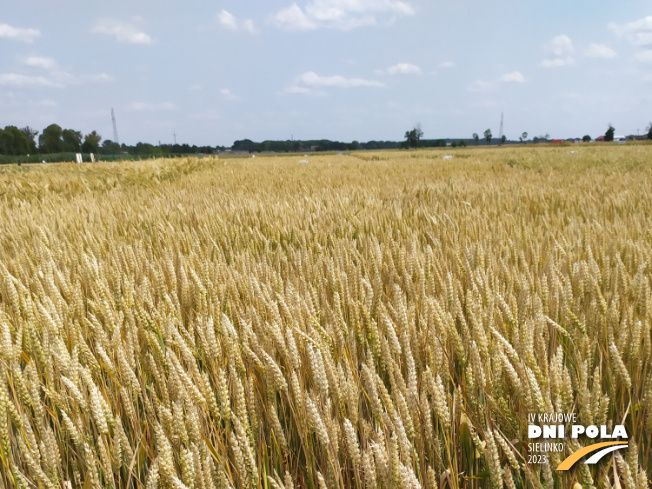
column 500, row 134
column 115, row 128
column 175, row 138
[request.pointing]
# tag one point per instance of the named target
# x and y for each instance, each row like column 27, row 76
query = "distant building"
column 615, row 139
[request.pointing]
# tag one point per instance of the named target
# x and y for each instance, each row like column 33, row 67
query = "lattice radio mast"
column 500, row 135
column 115, row 127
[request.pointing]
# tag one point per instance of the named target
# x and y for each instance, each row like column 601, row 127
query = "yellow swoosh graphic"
column 574, row 457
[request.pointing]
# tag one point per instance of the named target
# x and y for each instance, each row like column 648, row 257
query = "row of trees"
column 146, row 149
column 14, row 141
column 53, row 139
column 413, row 139
column 488, row 137
column 294, row 146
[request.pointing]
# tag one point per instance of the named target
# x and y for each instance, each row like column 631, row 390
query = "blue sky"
column 214, row 72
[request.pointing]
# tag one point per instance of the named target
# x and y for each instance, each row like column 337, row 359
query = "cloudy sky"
column 213, row 72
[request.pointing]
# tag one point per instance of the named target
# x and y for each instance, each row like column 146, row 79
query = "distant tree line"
column 55, row 139
column 296, row 146
column 146, row 149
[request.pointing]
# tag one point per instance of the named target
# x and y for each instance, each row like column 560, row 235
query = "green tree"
column 91, row 142
column 586, row 138
column 503, row 138
column 488, row 136
column 50, row 139
column 110, row 147
column 413, row 136
column 523, row 137
column 72, row 140
column 13, row 141
column 248, row 145
column 476, row 138
column 31, row 137
column 649, row 131
column 609, row 135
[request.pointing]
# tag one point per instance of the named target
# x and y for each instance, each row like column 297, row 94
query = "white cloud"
column 40, row 62
column 600, row 51
column 56, row 79
column 149, row 107
column 18, row 33
column 121, row 31
column 561, row 45
column 230, row 22
column 557, row 62
column 644, row 56
column 312, row 83
column 513, row 77
column 293, row 18
column 487, row 86
column 480, row 86
column 248, row 26
column 82, row 79
column 560, row 50
column 404, row 69
column 298, row 90
column 227, row 94
column 638, row 33
column 338, row 14
column 447, row 64
column 18, row 80
column 312, row 79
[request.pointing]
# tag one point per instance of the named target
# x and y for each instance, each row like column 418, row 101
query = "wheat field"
column 377, row 320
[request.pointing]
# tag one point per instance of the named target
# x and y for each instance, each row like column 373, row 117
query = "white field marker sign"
column 92, row 158
column 78, row 156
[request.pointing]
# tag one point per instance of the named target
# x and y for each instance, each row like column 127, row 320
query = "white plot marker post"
column 78, row 157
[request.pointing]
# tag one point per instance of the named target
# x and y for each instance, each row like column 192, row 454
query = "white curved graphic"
column 595, row 458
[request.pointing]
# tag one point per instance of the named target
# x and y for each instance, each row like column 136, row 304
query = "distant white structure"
column 115, row 128
column 78, row 157
column 303, row 161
